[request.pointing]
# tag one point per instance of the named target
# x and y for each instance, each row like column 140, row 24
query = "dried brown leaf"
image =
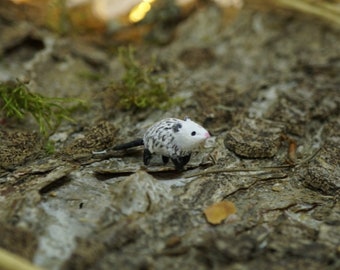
column 219, row 211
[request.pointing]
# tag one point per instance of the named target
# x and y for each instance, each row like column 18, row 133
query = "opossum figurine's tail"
column 134, row 143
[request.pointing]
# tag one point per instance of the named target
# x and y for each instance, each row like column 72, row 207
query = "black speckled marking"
column 176, row 127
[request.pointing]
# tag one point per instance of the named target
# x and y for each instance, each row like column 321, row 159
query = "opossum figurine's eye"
column 193, row 133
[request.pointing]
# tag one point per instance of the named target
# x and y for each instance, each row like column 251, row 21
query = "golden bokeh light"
column 139, row 11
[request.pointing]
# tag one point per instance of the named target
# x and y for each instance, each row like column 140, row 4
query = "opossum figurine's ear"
column 176, row 127
column 186, row 118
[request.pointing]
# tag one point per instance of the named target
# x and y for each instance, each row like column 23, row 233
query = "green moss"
column 49, row 147
column 91, row 76
column 17, row 101
column 139, row 88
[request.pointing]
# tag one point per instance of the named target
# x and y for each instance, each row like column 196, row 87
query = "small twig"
column 10, row 261
column 309, row 158
column 232, row 170
column 272, row 177
column 99, row 152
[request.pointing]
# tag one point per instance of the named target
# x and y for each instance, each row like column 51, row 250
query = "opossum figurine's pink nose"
column 207, row 135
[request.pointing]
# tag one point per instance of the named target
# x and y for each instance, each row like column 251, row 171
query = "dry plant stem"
column 319, row 8
column 258, row 169
column 10, row 261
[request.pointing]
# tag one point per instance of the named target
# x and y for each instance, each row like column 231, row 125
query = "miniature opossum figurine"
column 172, row 138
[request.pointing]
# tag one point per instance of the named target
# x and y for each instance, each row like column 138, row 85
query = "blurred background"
column 261, row 75
column 113, row 16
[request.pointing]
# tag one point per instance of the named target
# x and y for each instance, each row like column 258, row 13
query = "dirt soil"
column 266, row 86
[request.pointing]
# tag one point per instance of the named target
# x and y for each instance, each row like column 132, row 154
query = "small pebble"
column 277, row 187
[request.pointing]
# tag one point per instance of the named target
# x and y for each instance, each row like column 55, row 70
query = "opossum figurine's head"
column 188, row 134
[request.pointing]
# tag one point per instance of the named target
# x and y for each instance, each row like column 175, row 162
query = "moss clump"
column 139, row 88
column 49, row 147
column 17, row 101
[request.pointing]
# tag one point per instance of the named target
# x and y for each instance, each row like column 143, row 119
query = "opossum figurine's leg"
column 165, row 160
column 180, row 162
column 147, row 157
column 186, row 159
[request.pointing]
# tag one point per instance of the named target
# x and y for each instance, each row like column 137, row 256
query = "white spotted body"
column 171, row 138
column 174, row 138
